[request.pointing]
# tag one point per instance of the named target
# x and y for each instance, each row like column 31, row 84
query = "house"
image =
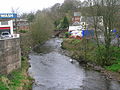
column 22, row 24
column 88, row 22
column 84, row 25
column 76, row 19
column 76, row 28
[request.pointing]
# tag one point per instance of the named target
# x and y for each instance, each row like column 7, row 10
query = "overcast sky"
column 26, row 5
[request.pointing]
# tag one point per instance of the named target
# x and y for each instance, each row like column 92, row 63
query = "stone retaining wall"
column 10, row 55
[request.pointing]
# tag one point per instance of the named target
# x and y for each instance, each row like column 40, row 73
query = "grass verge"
column 18, row 79
column 87, row 50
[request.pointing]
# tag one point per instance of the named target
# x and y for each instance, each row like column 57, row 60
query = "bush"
column 114, row 67
column 67, row 34
column 18, row 79
column 101, row 54
column 41, row 28
column 23, row 31
column 116, row 64
column 88, row 51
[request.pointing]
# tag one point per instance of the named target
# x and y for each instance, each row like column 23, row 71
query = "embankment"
column 16, row 78
column 85, row 53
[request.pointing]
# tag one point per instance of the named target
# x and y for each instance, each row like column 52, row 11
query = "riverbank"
column 18, row 79
column 85, row 54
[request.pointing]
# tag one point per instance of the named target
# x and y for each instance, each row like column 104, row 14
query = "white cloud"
column 26, row 5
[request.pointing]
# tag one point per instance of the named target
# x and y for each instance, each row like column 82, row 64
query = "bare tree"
column 105, row 10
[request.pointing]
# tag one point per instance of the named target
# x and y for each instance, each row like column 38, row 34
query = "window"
column 4, row 23
column 5, row 33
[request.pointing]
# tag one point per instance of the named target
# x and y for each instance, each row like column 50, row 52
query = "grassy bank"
column 87, row 51
column 115, row 67
column 18, row 79
column 78, row 50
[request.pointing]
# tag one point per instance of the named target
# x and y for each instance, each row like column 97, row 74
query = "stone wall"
column 10, row 55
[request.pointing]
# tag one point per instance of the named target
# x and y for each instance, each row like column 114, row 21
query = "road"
column 52, row 70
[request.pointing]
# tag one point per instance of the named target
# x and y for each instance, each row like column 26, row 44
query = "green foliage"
column 75, row 41
column 79, row 50
column 116, row 64
column 23, row 31
column 17, row 78
column 100, row 55
column 62, row 23
column 26, row 43
column 116, row 53
column 23, row 58
column 92, row 54
column 115, row 67
column 3, row 86
column 67, row 34
column 104, row 54
column 24, row 15
column 65, row 23
column 41, row 28
column 56, row 23
column 70, row 5
column 63, row 13
column 30, row 17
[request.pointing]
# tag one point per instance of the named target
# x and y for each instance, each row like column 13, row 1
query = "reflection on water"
column 53, row 71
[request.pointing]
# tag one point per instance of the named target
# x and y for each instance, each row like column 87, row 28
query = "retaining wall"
column 10, row 55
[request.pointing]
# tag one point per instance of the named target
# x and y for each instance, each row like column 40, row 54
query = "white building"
column 6, row 25
column 6, row 22
column 90, row 2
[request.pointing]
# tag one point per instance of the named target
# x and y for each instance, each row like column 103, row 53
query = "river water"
column 52, row 70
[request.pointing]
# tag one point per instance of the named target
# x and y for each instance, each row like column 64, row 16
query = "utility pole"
column 15, row 11
column 16, row 25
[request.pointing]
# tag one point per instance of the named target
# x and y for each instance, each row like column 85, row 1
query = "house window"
column 4, row 23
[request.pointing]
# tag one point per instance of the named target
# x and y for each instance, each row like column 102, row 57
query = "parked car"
column 5, row 35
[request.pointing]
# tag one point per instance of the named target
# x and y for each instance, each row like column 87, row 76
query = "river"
column 52, row 70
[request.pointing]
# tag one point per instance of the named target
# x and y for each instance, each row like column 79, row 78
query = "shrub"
column 23, row 31
column 67, row 34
